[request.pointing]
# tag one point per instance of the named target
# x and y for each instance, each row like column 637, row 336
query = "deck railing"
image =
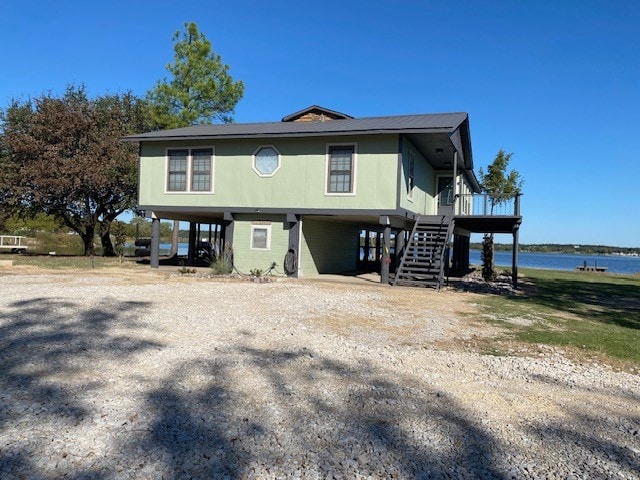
column 13, row 242
column 484, row 204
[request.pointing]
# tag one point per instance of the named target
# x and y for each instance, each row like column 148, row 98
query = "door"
column 445, row 195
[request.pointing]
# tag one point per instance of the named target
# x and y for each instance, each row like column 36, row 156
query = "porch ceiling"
column 430, row 146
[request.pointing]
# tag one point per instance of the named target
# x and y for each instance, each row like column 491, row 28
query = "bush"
column 221, row 266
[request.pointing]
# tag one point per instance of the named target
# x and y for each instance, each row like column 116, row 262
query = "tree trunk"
column 174, row 238
column 87, row 239
column 105, row 239
column 488, row 266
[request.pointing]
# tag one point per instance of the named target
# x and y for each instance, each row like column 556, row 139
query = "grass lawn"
column 590, row 314
column 71, row 261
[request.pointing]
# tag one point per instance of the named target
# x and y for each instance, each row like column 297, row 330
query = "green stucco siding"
column 300, row 182
column 246, row 259
column 327, row 247
column 424, row 192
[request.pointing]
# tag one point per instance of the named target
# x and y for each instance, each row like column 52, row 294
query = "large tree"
column 500, row 187
column 199, row 90
column 62, row 156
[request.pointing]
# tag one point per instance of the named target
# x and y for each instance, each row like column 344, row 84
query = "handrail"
column 444, row 247
column 483, row 204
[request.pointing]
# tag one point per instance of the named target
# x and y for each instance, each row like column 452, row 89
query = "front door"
column 445, row 195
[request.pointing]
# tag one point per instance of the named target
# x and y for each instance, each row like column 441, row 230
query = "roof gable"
column 315, row 113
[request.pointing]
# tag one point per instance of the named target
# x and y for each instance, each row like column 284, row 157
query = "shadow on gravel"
column 282, row 414
column 42, row 338
column 602, row 457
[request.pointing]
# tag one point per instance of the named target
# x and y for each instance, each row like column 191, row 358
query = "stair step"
column 408, row 283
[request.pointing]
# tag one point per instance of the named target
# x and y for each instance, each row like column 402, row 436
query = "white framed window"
column 341, row 169
column 266, row 160
column 190, row 170
column 260, row 237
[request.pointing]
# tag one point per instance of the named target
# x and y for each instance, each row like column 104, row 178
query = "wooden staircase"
column 422, row 264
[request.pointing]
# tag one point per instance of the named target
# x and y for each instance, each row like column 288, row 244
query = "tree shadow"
column 278, row 414
column 44, row 345
column 602, row 301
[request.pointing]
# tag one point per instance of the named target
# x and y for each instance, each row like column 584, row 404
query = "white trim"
column 260, row 227
column 253, row 161
column 354, row 170
column 188, row 190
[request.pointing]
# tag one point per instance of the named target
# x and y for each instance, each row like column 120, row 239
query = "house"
column 320, row 191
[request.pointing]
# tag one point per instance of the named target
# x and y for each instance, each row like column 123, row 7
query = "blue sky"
column 555, row 82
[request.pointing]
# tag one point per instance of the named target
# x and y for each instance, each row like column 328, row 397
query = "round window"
column 266, row 161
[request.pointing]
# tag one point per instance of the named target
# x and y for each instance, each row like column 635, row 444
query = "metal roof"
column 426, row 123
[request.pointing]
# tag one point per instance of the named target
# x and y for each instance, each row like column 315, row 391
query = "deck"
column 13, row 243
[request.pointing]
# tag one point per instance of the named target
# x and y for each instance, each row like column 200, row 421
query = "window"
column 178, row 170
column 412, row 165
column 260, row 237
column 201, row 170
column 266, row 161
column 190, row 170
column 340, row 170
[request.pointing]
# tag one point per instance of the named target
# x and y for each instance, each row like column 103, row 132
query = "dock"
column 13, row 243
column 589, row 268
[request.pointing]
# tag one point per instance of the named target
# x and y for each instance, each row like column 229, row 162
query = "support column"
column 191, row 256
column 367, row 249
column 155, row 242
column 226, row 247
column 514, row 262
column 400, row 244
column 386, row 257
column 292, row 258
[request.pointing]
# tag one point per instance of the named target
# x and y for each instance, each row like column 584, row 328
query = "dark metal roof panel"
column 436, row 122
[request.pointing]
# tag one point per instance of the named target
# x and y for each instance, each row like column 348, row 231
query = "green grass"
column 68, row 262
column 589, row 313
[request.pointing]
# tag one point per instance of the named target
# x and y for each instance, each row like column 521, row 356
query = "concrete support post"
column 155, row 242
column 386, row 255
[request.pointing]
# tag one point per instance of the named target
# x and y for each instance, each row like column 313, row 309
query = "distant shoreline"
column 565, row 249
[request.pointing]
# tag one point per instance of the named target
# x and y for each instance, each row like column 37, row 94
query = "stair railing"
column 404, row 256
column 445, row 245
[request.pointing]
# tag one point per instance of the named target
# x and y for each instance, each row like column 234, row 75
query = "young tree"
column 497, row 183
column 63, row 157
column 500, row 186
column 199, row 91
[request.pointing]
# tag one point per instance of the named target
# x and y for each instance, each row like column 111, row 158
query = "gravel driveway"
column 148, row 375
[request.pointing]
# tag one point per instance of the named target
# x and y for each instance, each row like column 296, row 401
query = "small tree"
column 501, row 187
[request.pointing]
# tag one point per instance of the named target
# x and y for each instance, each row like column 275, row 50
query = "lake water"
column 563, row 261
column 551, row 261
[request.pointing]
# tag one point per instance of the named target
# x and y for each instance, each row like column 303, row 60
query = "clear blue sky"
column 556, row 82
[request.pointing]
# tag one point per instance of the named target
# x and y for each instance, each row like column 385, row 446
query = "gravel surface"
column 149, row 375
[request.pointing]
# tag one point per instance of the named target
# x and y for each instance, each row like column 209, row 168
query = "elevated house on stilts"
column 323, row 192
